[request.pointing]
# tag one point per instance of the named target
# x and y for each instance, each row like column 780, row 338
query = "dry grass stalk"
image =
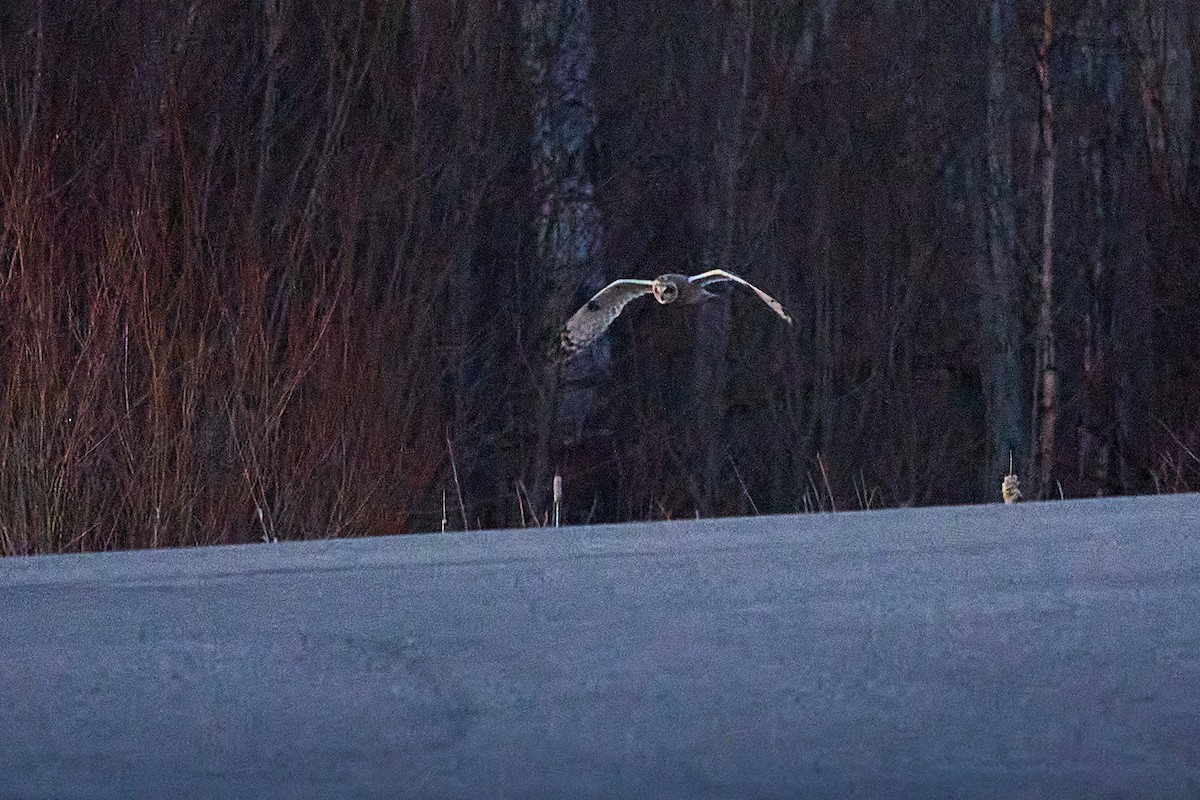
column 558, row 496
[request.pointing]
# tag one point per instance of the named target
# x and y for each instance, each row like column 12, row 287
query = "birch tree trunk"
column 716, row 201
column 1045, row 406
column 558, row 55
column 999, row 318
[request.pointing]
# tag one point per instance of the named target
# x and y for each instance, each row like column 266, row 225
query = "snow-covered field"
column 1040, row 650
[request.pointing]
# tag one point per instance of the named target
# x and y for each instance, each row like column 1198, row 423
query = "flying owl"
column 588, row 323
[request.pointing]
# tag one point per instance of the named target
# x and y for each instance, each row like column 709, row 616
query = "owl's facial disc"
column 665, row 292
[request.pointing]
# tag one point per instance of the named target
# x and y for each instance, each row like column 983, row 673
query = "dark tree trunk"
column 718, row 163
column 273, row 27
column 1108, row 241
column 1159, row 33
column 167, row 34
column 1001, row 280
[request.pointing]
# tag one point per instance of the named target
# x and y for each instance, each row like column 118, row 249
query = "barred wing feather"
column 716, row 275
column 589, row 322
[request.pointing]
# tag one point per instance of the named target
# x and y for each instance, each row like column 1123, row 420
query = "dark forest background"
column 291, row 269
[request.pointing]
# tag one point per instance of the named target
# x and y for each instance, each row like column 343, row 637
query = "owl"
column 588, row 323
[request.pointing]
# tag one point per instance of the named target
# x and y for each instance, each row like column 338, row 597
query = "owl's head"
column 665, row 290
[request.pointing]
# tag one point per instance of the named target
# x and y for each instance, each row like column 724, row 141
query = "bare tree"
column 1158, row 34
column 273, row 269
column 999, row 317
column 558, row 54
column 1100, row 161
column 1045, row 403
column 273, row 26
column 718, row 143
column 168, row 35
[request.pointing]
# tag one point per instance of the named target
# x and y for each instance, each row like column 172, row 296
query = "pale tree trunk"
column 716, row 189
column 558, row 55
column 1001, row 280
column 1045, row 403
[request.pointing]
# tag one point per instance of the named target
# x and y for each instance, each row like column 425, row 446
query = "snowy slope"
column 1041, row 650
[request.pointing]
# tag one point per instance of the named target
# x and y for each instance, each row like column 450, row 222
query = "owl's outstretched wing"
column 717, row 275
column 588, row 323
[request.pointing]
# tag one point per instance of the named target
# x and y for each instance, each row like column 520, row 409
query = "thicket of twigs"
column 264, row 267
